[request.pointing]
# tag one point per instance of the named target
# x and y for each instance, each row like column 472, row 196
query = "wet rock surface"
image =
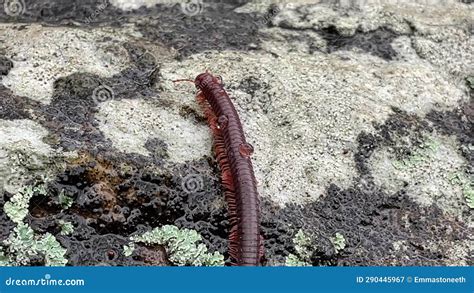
column 327, row 94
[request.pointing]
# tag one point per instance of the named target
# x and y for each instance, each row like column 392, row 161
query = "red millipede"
column 238, row 178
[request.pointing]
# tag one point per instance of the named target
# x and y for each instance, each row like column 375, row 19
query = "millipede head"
column 206, row 79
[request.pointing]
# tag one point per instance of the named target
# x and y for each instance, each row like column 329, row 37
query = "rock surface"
column 361, row 117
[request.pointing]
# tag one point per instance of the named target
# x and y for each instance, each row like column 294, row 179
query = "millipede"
column 233, row 154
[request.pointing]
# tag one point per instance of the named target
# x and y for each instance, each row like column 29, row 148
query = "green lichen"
column 339, row 242
column 302, row 244
column 470, row 81
column 303, row 249
column 17, row 208
column 469, row 195
column 53, row 252
column 466, row 185
column 294, row 261
column 22, row 245
column 420, row 155
column 181, row 246
column 4, row 261
column 128, row 249
column 66, row 227
column 64, row 200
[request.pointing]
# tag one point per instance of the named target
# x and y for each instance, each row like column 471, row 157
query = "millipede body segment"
column 238, row 179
